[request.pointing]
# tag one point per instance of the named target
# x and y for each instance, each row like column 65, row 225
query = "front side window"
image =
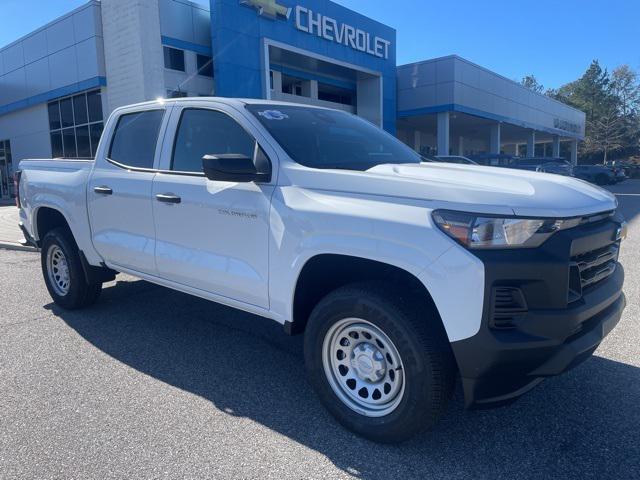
column 135, row 138
column 207, row 132
column 75, row 125
column 320, row 138
column 173, row 58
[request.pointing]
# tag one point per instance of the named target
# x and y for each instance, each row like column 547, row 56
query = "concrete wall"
column 28, row 131
column 455, row 84
column 57, row 59
column 186, row 21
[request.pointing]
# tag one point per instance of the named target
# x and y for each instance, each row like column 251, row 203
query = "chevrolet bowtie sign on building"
column 268, row 8
column 313, row 23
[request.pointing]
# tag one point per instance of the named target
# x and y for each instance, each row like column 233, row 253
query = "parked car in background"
column 559, row 168
column 598, row 174
column 455, row 159
column 623, row 170
column 493, row 159
column 620, row 174
column 534, row 163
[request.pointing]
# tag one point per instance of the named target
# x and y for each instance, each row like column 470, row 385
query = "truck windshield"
column 319, row 138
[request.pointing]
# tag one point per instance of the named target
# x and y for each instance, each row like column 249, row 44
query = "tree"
column 591, row 93
column 607, row 134
column 625, row 85
column 531, row 82
column 612, row 107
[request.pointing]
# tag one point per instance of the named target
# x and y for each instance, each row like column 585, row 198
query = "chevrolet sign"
column 330, row 29
column 324, row 27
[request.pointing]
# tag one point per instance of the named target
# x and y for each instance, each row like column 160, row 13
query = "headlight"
column 475, row 231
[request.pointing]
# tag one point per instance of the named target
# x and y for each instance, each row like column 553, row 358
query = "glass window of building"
column 75, row 125
column 176, row 94
column 6, row 170
column 332, row 93
column 295, row 86
column 205, row 65
column 135, row 138
column 173, row 58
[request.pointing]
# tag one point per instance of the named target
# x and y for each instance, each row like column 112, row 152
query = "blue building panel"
column 239, row 29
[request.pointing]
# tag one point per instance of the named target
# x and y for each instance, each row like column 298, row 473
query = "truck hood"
column 475, row 188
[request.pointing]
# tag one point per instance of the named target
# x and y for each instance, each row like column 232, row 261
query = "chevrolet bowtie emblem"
column 268, row 8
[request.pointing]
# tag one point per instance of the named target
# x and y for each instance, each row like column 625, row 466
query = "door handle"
column 103, row 190
column 166, row 198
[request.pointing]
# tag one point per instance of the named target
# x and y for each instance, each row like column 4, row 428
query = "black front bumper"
column 552, row 329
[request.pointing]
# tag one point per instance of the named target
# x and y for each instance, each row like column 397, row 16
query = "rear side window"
column 135, row 138
column 207, row 132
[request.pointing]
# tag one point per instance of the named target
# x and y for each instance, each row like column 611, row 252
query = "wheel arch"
column 47, row 218
column 323, row 273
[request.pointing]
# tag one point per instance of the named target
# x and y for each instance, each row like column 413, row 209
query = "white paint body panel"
column 245, row 245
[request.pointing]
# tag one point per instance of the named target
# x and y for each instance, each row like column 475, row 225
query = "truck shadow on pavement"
column 585, row 424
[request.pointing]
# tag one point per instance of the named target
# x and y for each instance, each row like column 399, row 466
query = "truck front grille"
column 590, row 268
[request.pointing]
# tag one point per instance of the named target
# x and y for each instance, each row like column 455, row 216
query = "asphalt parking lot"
column 151, row 383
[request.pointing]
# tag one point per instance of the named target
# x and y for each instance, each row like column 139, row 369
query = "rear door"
column 216, row 239
column 119, row 190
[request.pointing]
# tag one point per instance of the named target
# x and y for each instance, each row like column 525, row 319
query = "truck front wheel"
column 63, row 273
column 379, row 361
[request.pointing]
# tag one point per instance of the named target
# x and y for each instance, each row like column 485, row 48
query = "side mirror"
column 233, row 167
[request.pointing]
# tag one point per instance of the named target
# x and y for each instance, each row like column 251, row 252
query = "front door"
column 119, row 193
column 216, row 239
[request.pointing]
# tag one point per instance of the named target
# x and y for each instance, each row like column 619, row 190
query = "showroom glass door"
column 6, row 170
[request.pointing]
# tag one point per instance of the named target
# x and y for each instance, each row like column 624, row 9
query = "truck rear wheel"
column 379, row 361
column 63, row 273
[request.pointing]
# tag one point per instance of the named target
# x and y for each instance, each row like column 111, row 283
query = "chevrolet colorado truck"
column 404, row 275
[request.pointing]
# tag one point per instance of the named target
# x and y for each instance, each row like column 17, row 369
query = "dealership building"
column 59, row 83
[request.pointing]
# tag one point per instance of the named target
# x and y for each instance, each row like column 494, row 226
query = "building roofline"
column 52, row 22
column 458, row 57
column 194, row 5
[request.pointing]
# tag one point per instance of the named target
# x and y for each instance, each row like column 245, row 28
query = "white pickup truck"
column 402, row 274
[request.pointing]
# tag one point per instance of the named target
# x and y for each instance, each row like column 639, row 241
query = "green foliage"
column 611, row 103
column 531, row 82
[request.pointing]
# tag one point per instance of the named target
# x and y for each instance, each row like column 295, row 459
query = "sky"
column 555, row 40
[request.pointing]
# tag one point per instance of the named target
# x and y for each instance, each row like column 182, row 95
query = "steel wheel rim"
column 363, row 367
column 58, row 270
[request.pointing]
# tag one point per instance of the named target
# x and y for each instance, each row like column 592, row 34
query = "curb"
column 17, row 247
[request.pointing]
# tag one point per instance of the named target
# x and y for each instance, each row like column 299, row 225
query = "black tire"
column 79, row 293
column 419, row 338
column 602, row 179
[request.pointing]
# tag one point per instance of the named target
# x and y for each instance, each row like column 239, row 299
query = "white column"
column 417, row 140
column 133, row 59
column 531, row 144
column 461, row 145
column 556, row 146
column 443, row 133
column 369, row 98
column 494, row 141
column 277, row 83
column 574, row 152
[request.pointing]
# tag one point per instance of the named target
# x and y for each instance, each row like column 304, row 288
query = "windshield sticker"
column 273, row 115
